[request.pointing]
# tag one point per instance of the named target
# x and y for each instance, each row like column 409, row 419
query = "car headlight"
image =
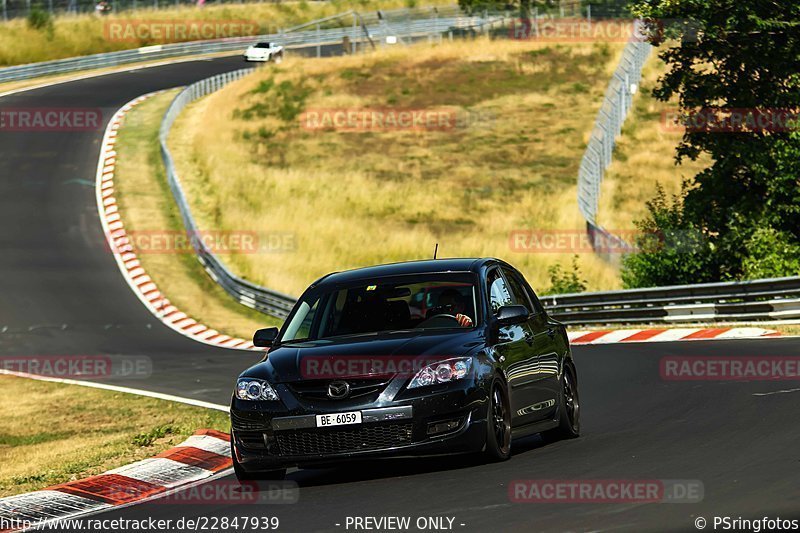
column 255, row 390
column 442, row 372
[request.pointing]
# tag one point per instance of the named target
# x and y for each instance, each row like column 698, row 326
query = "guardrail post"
column 5, row 10
column 319, row 46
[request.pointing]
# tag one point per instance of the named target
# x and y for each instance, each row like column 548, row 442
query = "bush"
column 771, row 254
column 40, row 20
column 562, row 282
column 670, row 249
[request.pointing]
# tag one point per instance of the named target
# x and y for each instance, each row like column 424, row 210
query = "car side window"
column 300, row 327
column 517, row 289
column 499, row 295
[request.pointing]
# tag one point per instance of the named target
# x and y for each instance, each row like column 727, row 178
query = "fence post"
column 353, row 38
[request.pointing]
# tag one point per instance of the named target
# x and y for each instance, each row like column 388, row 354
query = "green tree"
column 733, row 55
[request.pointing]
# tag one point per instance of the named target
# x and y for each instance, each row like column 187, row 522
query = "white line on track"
column 785, row 391
column 117, row 388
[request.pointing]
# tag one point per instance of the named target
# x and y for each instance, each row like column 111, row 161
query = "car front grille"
column 330, row 441
column 251, row 422
column 317, row 390
column 252, row 440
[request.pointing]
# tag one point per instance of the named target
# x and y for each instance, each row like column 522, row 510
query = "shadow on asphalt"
column 357, row 471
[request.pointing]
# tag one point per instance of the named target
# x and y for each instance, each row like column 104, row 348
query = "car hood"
column 293, row 362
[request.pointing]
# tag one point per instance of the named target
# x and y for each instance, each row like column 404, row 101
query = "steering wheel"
column 436, row 320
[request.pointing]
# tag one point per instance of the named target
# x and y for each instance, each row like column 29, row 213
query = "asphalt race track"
column 61, row 293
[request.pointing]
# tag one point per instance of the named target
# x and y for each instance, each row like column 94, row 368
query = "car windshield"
column 262, row 45
column 439, row 301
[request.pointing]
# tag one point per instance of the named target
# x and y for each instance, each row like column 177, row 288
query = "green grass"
column 147, row 205
column 53, row 433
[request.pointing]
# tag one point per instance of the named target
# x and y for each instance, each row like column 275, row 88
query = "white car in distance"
column 264, row 52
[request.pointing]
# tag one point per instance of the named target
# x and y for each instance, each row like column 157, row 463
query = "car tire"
column 569, row 414
column 498, row 423
column 242, row 475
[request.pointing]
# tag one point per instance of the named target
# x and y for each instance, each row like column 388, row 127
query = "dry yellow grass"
column 644, row 157
column 356, row 199
column 78, row 35
column 148, row 208
column 52, row 433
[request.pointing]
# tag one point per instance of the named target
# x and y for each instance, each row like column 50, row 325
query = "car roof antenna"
column 435, row 250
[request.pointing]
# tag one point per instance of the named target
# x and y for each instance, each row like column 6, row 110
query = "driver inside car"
column 452, row 301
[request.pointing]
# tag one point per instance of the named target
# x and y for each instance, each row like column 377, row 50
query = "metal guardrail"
column 413, row 25
column 764, row 299
column 259, row 298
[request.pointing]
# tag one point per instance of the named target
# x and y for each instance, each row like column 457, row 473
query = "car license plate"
column 339, row 419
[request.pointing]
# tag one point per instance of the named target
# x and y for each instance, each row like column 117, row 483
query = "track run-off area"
column 62, row 293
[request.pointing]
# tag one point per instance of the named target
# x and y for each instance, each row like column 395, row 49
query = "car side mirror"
column 509, row 315
column 264, row 338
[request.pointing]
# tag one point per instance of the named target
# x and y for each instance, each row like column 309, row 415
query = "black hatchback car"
column 420, row 358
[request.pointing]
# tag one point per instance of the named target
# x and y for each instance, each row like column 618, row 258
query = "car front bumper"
column 278, row 437
column 263, row 58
